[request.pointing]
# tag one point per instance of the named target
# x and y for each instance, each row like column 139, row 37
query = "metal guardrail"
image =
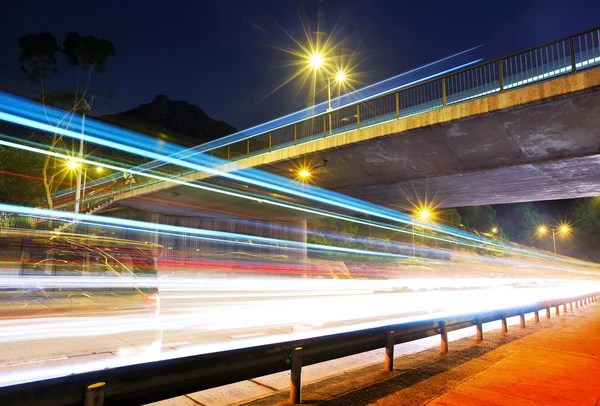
column 565, row 56
column 154, row 381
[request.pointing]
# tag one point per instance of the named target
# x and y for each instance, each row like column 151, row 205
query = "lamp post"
column 563, row 229
column 85, row 107
column 424, row 215
column 316, row 61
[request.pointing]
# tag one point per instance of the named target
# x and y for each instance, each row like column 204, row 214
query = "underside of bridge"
column 538, row 142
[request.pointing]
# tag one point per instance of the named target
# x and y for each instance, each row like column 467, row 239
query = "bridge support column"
column 577, row 304
column 537, row 316
column 547, row 312
column 557, row 310
column 504, row 325
column 565, row 308
column 571, row 306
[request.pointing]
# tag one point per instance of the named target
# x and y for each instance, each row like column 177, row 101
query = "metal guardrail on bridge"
column 565, row 56
column 154, row 381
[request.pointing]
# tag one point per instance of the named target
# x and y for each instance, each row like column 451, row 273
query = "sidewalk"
column 554, row 362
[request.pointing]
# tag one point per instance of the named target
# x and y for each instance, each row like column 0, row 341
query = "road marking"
column 33, row 361
column 248, row 335
column 177, row 344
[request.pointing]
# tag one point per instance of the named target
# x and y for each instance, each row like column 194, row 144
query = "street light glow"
column 424, row 214
column 494, row 230
column 72, row 164
column 564, row 229
column 542, row 230
column 316, row 60
column 99, row 169
column 304, row 173
column 340, row 76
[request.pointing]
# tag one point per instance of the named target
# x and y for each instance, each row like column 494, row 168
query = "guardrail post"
column 504, row 325
column 389, row 351
column 501, row 75
column 577, row 304
column 397, row 105
column 296, row 377
column 522, row 318
column 564, row 308
column 557, row 310
column 295, row 136
column 571, row 306
column 94, row 394
column 547, row 312
column 358, row 116
column 479, row 329
column 444, row 337
column 537, row 316
column 444, row 91
column 573, row 64
column 325, row 127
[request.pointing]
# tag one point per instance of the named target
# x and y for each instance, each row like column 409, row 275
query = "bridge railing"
column 158, row 380
column 565, row 56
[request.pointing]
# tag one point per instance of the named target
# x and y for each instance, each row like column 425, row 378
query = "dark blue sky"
column 223, row 56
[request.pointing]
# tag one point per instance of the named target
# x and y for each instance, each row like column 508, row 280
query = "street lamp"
column 317, row 61
column 304, row 173
column 563, row 230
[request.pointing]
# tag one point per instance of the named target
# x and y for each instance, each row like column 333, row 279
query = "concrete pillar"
column 504, row 326
column 557, row 310
column 565, row 308
column 537, row 316
column 571, row 306
column 522, row 319
column 547, row 312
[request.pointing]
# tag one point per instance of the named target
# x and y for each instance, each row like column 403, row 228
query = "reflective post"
column 389, row 351
column 504, row 325
column 444, row 337
column 479, row 329
column 537, row 316
column 296, row 376
column 94, row 394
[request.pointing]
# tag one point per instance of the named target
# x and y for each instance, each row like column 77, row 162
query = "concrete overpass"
column 538, row 142
column 524, row 127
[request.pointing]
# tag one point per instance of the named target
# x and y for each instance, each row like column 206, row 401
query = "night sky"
column 224, row 56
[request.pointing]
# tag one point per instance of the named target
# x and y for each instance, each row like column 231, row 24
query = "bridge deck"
column 555, row 361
